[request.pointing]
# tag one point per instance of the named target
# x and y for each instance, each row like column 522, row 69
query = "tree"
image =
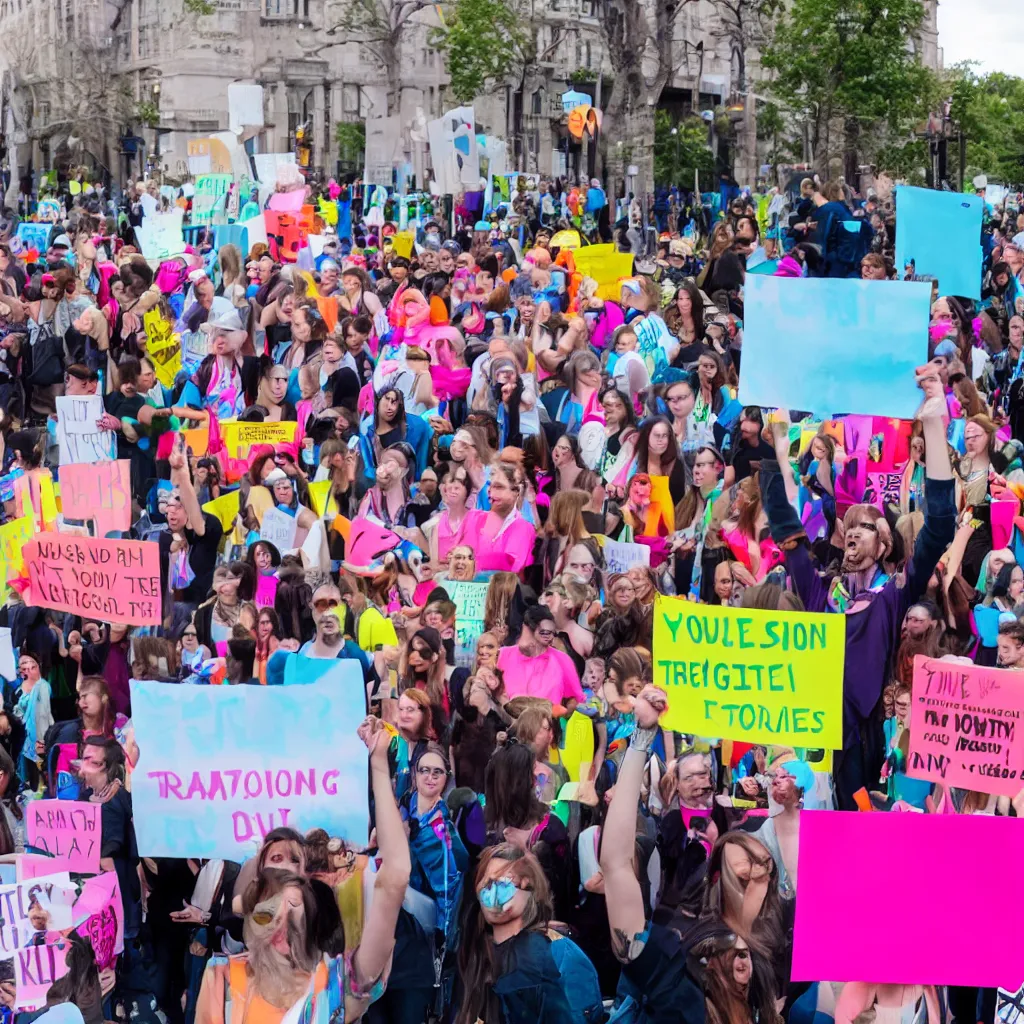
column 843, row 69
column 379, row 27
column 482, row 43
column 989, row 109
column 351, row 139
column 640, row 45
column 681, row 150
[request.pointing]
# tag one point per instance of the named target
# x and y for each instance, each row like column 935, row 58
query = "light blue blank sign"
column 834, row 346
column 941, row 233
column 220, row 766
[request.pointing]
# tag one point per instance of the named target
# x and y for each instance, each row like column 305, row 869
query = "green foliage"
column 482, row 42
column 351, row 139
column 849, row 60
column 148, row 113
column 990, row 109
column 677, row 156
column 583, row 76
column 199, row 7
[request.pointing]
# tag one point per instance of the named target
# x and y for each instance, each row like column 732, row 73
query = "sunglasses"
column 434, row 773
column 192, row 634
column 324, row 603
column 546, row 633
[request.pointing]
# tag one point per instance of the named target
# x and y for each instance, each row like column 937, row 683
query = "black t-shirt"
column 689, row 354
column 202, row 558
column 117, row 841
column 123, row 408
column 743, row 454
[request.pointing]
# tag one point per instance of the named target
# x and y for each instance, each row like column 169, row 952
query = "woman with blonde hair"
column 233, row 279
column 499, row 605
column 564, row 528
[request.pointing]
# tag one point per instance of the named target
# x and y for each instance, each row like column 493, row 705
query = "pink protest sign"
column 115, row 580
column 964, row 726
column 99, row 916
column 266, row 591
column 848, row 905
column 101, row 492
column 36, row 968
column 67, row 830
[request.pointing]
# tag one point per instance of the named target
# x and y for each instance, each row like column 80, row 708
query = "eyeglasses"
column 545, row 634
column 434, row 773
column 192, row 634
column 323, row 603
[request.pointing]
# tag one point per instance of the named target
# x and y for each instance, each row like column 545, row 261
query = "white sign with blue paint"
column 220, row 766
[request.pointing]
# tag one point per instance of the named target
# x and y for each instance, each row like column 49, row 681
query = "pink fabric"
column 467, row 532
column 550, row 676
column 511, row 552
column 789, row 267
column 607, row 322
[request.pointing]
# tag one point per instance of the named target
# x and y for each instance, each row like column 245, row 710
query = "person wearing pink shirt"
column 502, row 539
column 533, row 668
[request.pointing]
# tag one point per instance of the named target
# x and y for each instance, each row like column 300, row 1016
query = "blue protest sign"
column 833, row 346
column 34, row 236
column 220, row 766
column 941, row 233
column 345, row 672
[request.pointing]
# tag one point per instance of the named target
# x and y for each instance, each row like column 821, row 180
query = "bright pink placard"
column 966, row 726
column 866, row 878
column 68, row 830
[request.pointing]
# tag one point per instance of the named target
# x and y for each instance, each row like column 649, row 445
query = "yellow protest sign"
column 225, row 508
column 750, row 674
column 328, row 211
column 12, row 536
column 566, row 240
column 198, row 440
column 240, row 437
column 402, row 241
column 163, row 347
column 320, row 495
column 607, row 266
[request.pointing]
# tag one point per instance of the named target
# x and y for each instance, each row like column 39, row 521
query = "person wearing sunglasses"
column 533, row 668
column 428, row 922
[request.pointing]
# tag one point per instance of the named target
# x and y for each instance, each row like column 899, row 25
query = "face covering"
column 497, row 895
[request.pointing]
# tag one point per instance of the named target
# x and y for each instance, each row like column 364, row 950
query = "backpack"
column 46, row 357
column 579, row 979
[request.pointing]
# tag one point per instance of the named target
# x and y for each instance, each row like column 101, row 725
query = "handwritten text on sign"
column 67, row 830
column 965, row 726
column 206, row 785
column 239, row 437
column 78, row 437
column 116, row 580
column 748, row 674
column 35, row 970
column 101, row 492
column 49, row 900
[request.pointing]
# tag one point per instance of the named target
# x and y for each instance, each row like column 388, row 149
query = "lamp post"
column 675, row 157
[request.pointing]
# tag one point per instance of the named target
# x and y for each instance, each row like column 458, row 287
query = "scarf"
column 841, row 597
column 25, row 709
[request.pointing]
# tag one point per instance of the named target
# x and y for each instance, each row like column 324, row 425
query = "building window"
column 279, row 8
column 535, row 103
column 588, row 56
column 350, row 99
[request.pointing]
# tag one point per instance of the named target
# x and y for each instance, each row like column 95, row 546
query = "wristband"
column 643, row 739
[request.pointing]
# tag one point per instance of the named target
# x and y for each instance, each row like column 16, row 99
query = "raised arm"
column 378, row 938
column 181, row 478
column 622, row 888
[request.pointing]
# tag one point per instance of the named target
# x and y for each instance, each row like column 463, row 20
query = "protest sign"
column 67, row 830
column 78, row 437
column 195, row 347
column 39, row 905
column 381, row 149
column 34, row 236
column 844, row 896
column 163, row 347
column 653, row 342
column 621, row 557
column 320, row 495
column 115, row 580
column 36, row 968
column 266, row 591
column 225, row 508
column 470, row 600
column 857, row 344
column 197, row 441
column 607, row 266
column 208, row 783
column 211, row 190
column 238, row 438
column 7, row 666
column 13, row 536
column 99, row 916
column 160, row 236
column 749, row 674
column 940, row 232
column 279, row 529
column 101, row 492
column 344, row 673
column 883, row 489
column 965, row 723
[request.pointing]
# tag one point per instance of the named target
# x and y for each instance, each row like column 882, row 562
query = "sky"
column 964, row 34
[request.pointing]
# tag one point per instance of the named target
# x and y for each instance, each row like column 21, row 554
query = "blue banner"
column 832, row 346
column 941, row 233
column 220, row 766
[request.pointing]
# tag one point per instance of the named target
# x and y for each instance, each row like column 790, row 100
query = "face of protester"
column 328, row 280
column 975, row 440
column 487, row 653
column 1011, row 653
column 502, row 901
column 590, row 377
column 751, row 431
column 683, row 302
column 302, row 329
column 190, row 639
column 723, row 581
column 623, row 594
column 625, row 341
column 693, row 782
column 916, row 623
column 431, row 775
column 542, row 635
column 387, row 410
column 784, row 788
column 614, row 410
column 91, row 768
column 742, row 965
column 38, row 917
column 705, row 470
column 90, row 703
column 445, row 262
column 680, row 400
column 658, row 440
column 325, row 605
column 410, row 716
column 461, row 564
column 580, row 563
column 147, row 377
column 901, row 707
column 872, row 272
column 454, row 493
column 283, row 492
column 818, row 449
column 391, row 469
column 863, row 546
column 205, row 293
column 28, row 669
column 286, row 856
column 502, row 495
column 1016, row 590
column 421, row 657
column 1016, row 333
column 917, row 449
column 525, row 307
column 330, row 350
column 706, row 368
column 561, row 454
